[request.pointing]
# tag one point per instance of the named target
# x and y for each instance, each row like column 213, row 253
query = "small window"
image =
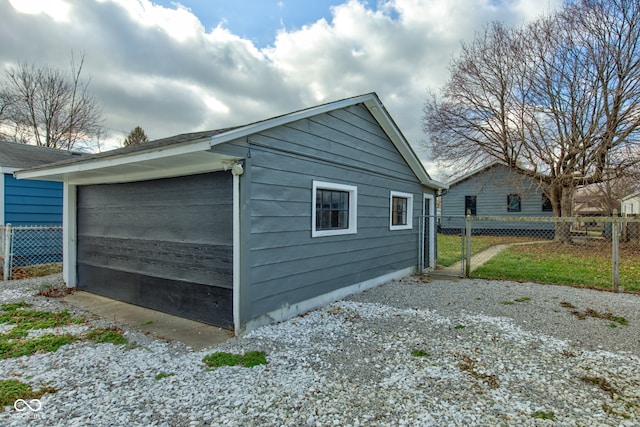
column 470, row 204
column 546, row 204
column 401, row 206
column 513, row 203
column 334, row 207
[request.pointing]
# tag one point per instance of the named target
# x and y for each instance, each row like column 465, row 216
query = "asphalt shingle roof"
column 21, row 156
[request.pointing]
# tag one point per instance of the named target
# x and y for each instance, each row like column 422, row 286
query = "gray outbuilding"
column 495, row 190
column 245, row 226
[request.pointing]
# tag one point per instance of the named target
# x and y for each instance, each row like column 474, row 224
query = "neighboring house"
column 495, row 190
column 246, row 226
column 631, row 204
column 29, row 202
column 593, row 200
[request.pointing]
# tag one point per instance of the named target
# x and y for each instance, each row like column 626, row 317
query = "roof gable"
column 182, row 154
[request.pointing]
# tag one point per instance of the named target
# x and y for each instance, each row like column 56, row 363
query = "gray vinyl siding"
column 491, row 187
column 287, row 265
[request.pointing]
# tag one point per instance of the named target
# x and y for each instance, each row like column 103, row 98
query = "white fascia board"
column 475, row 171
column 631, row 196
column 90, row 165
column 380, row 113
column 8, row 170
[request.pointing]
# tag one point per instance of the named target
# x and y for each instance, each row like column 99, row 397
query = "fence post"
column 615, row 243
column 6, row 255
column 467, row 232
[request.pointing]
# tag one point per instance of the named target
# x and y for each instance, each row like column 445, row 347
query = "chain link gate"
column 27, row 249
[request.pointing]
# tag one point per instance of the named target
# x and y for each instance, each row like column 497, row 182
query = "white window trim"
column 409, row 197
column 353, row 208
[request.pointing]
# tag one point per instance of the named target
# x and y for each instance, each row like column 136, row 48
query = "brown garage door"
column 164, row 244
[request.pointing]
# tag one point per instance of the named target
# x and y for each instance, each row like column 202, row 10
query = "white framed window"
column 400, row 211
column 334, row 209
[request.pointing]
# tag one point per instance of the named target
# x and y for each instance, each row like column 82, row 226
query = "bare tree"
column 136, row 136
column 6, row 101
column 50, row 107
column 556, row 99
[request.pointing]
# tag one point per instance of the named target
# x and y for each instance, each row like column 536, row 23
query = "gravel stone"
column 494, row 353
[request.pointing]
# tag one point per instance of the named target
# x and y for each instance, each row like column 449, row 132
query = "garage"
column 224, row 226
column 165, row 244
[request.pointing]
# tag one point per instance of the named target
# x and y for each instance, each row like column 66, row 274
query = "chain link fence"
column 29, row 251
column 599, row 252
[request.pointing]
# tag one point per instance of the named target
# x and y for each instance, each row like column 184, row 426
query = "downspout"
column 70, row 235
column 236, row 171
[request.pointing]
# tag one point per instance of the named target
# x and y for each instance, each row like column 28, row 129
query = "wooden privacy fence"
column 598, row 251
column 25, row 248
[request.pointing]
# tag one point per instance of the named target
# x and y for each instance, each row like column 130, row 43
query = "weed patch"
column 15, row 343
column 162, row 375
column 469, row 365
column 542, row 415
column 54, row 292
column 248, row 360
column 602, row 383
column 420, row 353
column 523, row 299
column 110, row 335
column 12, row 390
column 10, row 348
column 608, row 409
column 590, row 312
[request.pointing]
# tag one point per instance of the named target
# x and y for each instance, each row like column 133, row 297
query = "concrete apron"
column 155, row 323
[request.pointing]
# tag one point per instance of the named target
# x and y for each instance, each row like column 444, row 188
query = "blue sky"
column 173, row 67
column 257, row 20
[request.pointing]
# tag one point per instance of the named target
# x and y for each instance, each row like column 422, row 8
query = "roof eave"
column 63, row 171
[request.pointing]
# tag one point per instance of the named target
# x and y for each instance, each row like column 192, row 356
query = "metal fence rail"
column 591, row 251
column 27, row 247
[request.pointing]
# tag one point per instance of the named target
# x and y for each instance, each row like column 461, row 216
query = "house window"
column 335, row 209
column 470, row 204
column 513, row 203
column 546, row 204
column 401, row 206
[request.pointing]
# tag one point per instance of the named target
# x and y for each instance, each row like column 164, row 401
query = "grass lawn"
column 586, row 264
column 449, row 249
column 450, row 246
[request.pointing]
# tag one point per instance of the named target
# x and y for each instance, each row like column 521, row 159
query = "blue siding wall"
column 345, row 146
column 32, row 202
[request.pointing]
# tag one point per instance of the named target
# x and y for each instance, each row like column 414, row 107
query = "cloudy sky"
column 179, row 66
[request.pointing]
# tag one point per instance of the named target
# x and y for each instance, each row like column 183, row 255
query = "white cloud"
column 56, row 9
column 180, row 23
column 158, row 67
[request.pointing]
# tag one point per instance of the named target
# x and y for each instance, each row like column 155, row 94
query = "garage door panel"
column 207, row 304
column 195, row 223
column 197, row 263
column 162, row 244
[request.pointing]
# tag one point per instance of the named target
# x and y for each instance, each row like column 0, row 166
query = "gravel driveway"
column 410, row 352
